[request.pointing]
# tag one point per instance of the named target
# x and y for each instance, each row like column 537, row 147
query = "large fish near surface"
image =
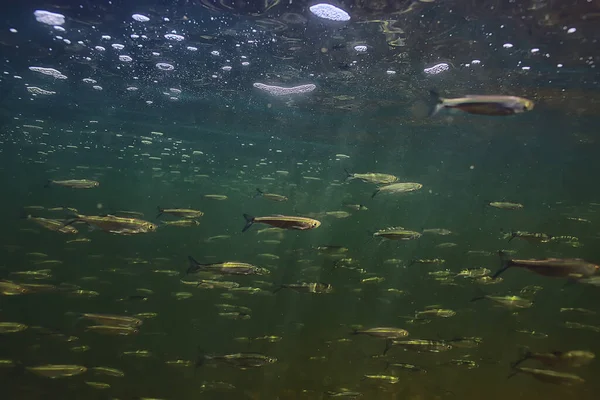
column 283, row 222
column 113, row 224
column 394, row 188
column 573, row 268
column 74, row 183
column 484, row 105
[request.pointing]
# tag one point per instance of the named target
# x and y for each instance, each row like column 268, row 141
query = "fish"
column 505, row 205
column 395, row 188
column 226, row 268
column 54, row 371
column 372, row 177
column 437, row 231
column 9, row 288
column 180, row 363
column 182, row 295
column 182, row 222
column 98, row 385
column 138, row 353
column 435, row 312
column 572, row 268
column 465, row 342
column 581, row 310
column 424, row 345
column 592, row 280
column 507, row 301
column 382, row 378
column 474, row 273
column 73, row 183
column 55, row 225
column 282, row 221
column 240, row 360
column 117, row 225
column 113, row 330
column 343, row 393
column 129, row 214
column 219, row 197
column 530, row 236
column 577, row 325
column 334, row 214
column 532, row 333
column 372, row 279
column 397, row 233
column 571, row 358
column 356, row 207
column 80, row 349
column 470, row 364
column 270, row 196
column 382, row 332
column 307, row 287
column 235, row 315
column 113, row 320
column 11, row 327
column 437, row 261
column 180, row 212
column 549, row 376
column 492, row 105
column 407, row 367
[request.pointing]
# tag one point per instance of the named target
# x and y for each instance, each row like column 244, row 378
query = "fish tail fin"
column 388, row 346
column 278, row 288
column 71, row 221
column 513, row 235
column 412, row 262
column 193, row 265
column 437, row 102
column 387, row 365
column 525, row 354
column 348, row 174
column 505, row 264
column 48, row 183
column 249, row 222
column 160, row 211
column 513, row 373
column 18, row 369
column 258, row 193
column 375, row 193
column 200, row 358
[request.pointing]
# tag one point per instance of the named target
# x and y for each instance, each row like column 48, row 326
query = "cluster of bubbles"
column 436, row 69
column 49, row 18
column 49, row 71
column 330, row 12
column 40, row 91
column 283, row 91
